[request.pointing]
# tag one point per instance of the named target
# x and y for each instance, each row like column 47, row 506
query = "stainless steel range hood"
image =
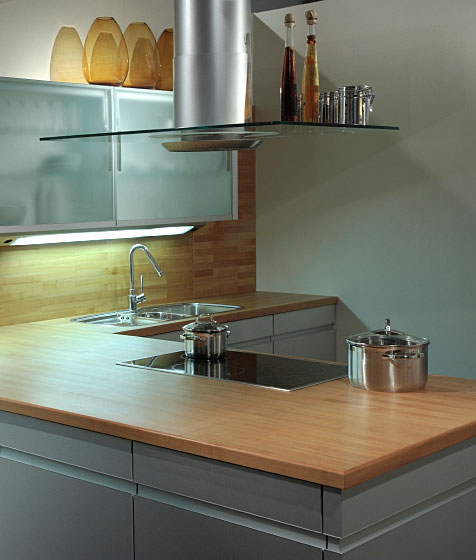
column 212, row 71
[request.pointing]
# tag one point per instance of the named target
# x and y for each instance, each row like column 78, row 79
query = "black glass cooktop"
column 265, row 370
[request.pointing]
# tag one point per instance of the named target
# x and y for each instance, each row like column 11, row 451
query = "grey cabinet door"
column 163, row 531
column 49, row 516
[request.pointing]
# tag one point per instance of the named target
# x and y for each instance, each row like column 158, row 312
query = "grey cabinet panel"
column 304, row 319
column 48, row 516
column 349, row 511
column 446, row 532
column 319, row 345
column 271, row 496
column 250, row 329
column 173, row 336
column 166, row 532
column 256, row 346
column 82, row 448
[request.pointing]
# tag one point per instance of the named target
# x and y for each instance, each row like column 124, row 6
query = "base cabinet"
column 164, row 531
column 49, row 516
column 306, row 333
column 62, row 496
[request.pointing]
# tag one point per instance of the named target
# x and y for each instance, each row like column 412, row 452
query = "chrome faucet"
column 134, row 299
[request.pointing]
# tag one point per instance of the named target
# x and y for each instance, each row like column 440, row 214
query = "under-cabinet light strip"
column 99, row 235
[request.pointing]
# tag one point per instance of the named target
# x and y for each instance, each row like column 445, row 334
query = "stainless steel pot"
column 205, row 339
column 388, row 360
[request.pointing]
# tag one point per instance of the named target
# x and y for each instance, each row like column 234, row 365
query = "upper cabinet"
column 100, row 183
column 51, row 183
column 154, row 184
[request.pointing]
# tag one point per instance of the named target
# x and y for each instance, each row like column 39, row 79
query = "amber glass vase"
column 105, row 58
column 143, row 56
column 165, row 47
column 66, row 57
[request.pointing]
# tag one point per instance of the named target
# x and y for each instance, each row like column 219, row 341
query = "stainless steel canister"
column 355, row 104
column 205, row 339
column 329, row 107
column 388, row 360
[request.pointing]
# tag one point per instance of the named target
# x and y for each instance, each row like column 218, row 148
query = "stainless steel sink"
column 147, row 316
column 126, row 319
column 187, row 309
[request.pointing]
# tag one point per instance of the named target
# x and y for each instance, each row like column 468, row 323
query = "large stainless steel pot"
column 388, row 360
column 205, row 339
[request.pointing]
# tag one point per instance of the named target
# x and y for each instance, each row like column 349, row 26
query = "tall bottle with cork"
column 310, row 77
column 288, row 76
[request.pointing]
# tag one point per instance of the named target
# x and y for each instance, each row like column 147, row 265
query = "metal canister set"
column 348, row 105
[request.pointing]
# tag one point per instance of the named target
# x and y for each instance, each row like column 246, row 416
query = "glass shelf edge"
column 174, row 132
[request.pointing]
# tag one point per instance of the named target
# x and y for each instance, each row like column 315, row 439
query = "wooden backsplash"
column 50, row 281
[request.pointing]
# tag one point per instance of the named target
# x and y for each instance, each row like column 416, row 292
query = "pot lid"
column 205, row 323
column 386, row 337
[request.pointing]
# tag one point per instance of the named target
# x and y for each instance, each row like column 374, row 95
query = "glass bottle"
column 288, row 76
column 310, row 77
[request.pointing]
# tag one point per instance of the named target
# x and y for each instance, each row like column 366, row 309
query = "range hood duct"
column 212, row 70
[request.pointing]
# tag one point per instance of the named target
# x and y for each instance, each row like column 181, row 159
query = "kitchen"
column 328, row 234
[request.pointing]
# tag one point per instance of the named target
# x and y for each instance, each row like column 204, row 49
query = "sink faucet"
column 140, row 298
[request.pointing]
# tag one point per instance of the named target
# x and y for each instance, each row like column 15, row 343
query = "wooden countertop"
column 331, row 433
column 254, row 304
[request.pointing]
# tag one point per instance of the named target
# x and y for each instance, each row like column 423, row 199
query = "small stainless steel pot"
column 387, row 360
column 205, row 339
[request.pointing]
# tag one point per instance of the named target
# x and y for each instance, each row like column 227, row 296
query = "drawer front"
column 265, row 346
column 250, row 329
column 267, row 495
column 169, row 532
column 304, row 319
column 90, row 450
column 349, row 511
column 319, row 345
column 445, row 532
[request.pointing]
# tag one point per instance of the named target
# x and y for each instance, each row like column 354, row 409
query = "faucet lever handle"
column 142, row 283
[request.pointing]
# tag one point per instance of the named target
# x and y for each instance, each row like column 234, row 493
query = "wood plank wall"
column 51, row 281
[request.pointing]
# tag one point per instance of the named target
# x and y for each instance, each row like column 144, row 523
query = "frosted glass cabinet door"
column 156, row 186
column 47, row 183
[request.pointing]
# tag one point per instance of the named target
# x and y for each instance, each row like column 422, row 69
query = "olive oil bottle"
column 310, row 77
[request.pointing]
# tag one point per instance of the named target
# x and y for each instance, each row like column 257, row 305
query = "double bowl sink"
column 147, row 316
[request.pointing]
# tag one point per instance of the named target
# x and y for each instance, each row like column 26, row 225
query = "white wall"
column 387, row 222
column 28, row 28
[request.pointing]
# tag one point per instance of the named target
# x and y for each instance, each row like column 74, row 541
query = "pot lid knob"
column 388, row 328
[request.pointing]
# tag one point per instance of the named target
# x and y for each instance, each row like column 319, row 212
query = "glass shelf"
column 223, row 132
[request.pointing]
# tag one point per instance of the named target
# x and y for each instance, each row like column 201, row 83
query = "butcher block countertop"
column 253, row 304
column 331, row 433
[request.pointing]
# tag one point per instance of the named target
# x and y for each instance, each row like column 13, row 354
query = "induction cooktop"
column 265, row 370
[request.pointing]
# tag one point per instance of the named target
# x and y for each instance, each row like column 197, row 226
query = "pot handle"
column 189, row 336
column 402, row 356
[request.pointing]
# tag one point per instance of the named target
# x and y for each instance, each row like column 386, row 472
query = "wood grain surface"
column 331, row 433
column 50, row 281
